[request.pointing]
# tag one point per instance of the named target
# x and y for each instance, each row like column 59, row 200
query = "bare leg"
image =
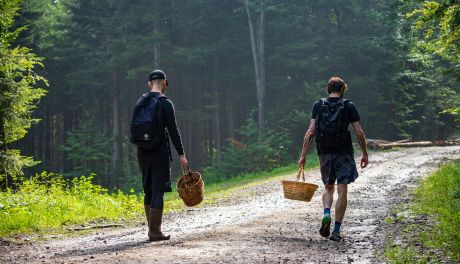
column 341, row 203
column 328, row 196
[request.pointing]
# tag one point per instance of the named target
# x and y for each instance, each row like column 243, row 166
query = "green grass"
column 47, row 204
column 438, row 196
column 408, row 255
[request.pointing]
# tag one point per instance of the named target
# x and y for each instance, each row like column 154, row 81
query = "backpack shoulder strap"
column 343, row 103
column 321, row 102
column 344, row 116
column 161, row 98
column 142, row 99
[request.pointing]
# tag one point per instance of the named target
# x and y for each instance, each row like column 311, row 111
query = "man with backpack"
column 329, row 124
column 153, row 122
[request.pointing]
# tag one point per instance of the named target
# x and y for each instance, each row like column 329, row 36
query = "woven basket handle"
column 186, row 171
column 301, row 173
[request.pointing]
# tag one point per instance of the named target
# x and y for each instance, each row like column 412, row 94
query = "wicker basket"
column 190, row 187
column 296, row 190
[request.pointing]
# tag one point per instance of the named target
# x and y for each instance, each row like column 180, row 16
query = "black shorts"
column 340, row 168
column 156, row 171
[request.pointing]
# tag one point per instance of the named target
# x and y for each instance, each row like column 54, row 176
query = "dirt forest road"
column 258, row 225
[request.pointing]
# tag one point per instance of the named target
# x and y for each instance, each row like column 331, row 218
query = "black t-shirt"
column 352, row 116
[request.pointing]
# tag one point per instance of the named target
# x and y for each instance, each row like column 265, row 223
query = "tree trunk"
column 231, row 117
column 3, row 150
column 156, row 52
column 117, row 145
column 218, row 130
column 67, row 126
column 3, row 145
column 210, row 145
column 262, row 85
column 60, row 142
column 217, row 108
column 44, row 136
column 257, row 37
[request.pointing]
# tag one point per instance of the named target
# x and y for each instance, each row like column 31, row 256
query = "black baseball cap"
column 158, row 75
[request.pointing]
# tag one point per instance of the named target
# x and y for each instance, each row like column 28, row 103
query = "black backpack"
column 332, row 124
column 146, row 122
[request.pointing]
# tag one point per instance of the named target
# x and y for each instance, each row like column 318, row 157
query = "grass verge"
column 47, row 204
column 436, row 210
column 407, row 255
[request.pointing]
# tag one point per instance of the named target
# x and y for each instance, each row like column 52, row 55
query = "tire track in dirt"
column 258, row 228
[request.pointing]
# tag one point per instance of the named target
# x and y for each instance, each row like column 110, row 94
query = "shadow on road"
column 105, row 249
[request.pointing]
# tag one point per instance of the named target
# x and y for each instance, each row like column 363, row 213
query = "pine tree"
column 18, row 94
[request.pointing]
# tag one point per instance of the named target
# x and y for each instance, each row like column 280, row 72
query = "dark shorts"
column 340, row 168
column 156, row 171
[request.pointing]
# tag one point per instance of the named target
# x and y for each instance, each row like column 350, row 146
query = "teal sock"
column 327, row 215
column 337, row 227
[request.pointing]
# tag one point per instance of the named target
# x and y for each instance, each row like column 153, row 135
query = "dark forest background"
column 243, row 76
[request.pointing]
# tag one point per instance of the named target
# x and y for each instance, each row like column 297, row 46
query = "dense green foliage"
column 47, row 203
column 88, row 148
column 397, row 57
column 18, row 93
column 437, row 31
column 438, row 23
column 438, row 197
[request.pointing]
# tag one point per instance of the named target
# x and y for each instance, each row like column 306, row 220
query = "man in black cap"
column 155, row 162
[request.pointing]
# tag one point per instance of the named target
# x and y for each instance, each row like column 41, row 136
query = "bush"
column 48, row 202
column 252, row 153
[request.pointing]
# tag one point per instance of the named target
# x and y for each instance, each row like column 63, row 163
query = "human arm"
column 307, row 140
column 173, row 130
column 362, row 142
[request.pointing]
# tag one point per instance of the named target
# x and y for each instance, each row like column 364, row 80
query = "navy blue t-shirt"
column 352, row 116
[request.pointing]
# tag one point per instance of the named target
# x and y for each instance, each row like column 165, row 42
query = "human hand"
column 183, row 161
column 364, row 161
column 302, row 161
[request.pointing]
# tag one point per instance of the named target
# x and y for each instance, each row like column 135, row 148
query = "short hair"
column 335, row 85
column 157, row 82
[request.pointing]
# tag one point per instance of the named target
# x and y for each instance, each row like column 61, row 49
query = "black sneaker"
column 336, row 236
column 325, row 229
